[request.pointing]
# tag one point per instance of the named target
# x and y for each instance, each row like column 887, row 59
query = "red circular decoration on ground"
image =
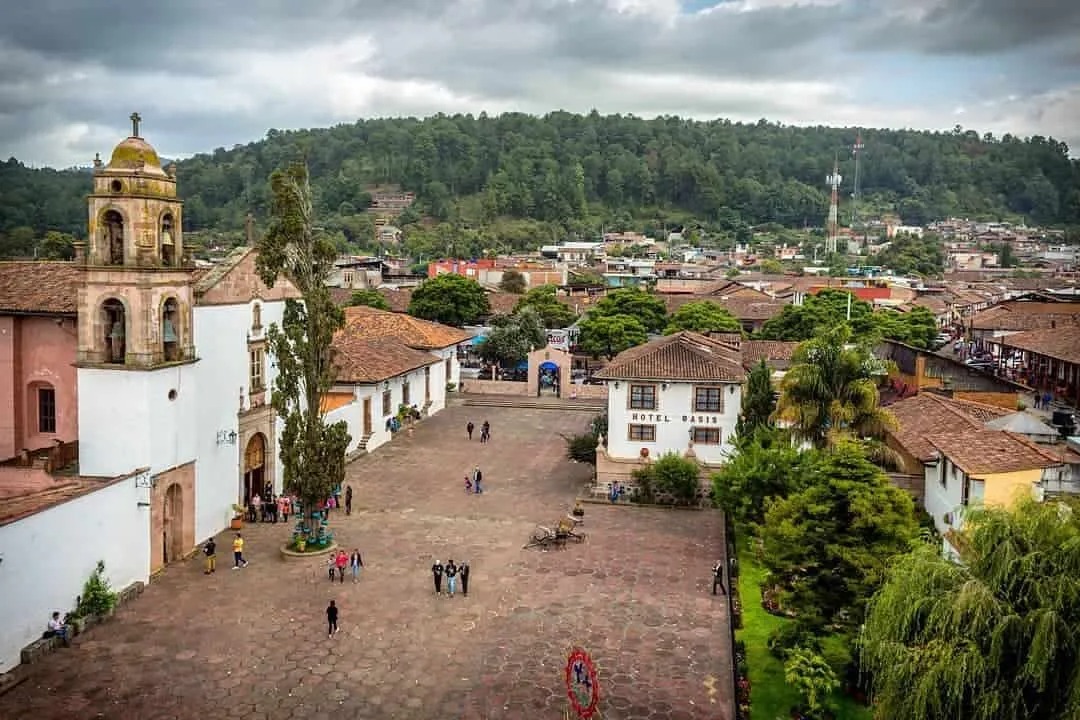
column 580, row 666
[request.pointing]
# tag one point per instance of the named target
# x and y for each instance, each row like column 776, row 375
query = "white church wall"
column 47, row 558
column 221, row 340
column 128, row 421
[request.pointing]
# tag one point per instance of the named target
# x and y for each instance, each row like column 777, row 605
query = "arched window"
column 114, row 327
column 112, row 246
column 170, row 337
column 168, row 240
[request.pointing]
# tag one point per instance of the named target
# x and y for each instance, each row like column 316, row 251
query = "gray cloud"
column 207, row 74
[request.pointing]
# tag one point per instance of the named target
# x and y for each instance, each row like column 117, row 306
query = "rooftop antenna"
column 832, row 230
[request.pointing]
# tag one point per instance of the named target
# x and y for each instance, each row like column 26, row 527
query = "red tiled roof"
column 928, row 414
column 775, row 353
column 683, row 356
column 34, row 286
column 741, row 308
column 1062, row 343
column 978, row 451
column 1022, row 316
column 367, row 323
column 26, row 491
column 371, row 361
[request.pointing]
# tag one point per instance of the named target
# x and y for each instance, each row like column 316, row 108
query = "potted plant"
column 237, row 521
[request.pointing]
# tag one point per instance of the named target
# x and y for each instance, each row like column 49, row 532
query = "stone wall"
column 610, row 470
column 494, row 387
column 1005, row 400
column 589, row 392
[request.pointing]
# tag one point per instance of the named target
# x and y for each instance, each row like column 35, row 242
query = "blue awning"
column 548, row 365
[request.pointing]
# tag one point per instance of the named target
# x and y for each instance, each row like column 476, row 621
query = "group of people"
column 451, row 573
column 340, row 560
column 267, row 507
column 485, row 431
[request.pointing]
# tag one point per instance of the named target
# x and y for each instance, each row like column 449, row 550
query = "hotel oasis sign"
column 659, row 418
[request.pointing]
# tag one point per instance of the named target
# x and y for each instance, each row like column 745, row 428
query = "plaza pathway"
column 252, row 643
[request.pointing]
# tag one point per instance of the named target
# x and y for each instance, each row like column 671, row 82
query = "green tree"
column 512, row 282
column 702, row 316
column 827, row 545
column 831, row 390
column 649, row 309
column 764, row 467
column 449, row 299
column 544, row 300
column 815, row 680
column 609, row 335
column 1006, row 257
column 818, row 313
column 671, row 474
column 758, row 401
column 916, row 327
column 370, row 298
column 913, row 255
column 582, row 447
column 771, row 267
column 993, row 638
column 57, row 246
column 513, row 337
column 312, row 453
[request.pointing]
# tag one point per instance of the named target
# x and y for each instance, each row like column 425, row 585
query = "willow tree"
column 830, row 391
column 994, row 638
column 312, row 453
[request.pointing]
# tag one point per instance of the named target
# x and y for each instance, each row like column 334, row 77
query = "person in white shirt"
column 58, row 627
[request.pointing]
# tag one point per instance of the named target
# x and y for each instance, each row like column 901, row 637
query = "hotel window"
column 642, row 397
column 387, row 403
column 708, row 399
column 643, row 433
column 255, row 361
column 46, row 398
column 706, row 436
column 405, row 392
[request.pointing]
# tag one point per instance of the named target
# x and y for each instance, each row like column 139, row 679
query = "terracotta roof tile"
column 979, row 451
column 213, row 275
column 367, row 323
column 741, row 308
column 1062, row 343
column 364, row 361
column 1021, row 316
column 39, row 287
column 775, row 353
column 684, row 356
column 928, row 414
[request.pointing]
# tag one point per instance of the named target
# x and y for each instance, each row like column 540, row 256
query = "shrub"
column 790, row 636
column 97, row 597
column 672, row 474
column 811, row 676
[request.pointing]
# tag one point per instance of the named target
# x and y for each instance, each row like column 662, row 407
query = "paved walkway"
column 252, row 644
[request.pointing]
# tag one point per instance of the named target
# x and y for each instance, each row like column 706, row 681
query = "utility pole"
column 832, row 230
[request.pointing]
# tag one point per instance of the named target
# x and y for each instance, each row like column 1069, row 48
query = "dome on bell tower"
column 134, row 154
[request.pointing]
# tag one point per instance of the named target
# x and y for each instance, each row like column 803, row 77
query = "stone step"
column 594, row 406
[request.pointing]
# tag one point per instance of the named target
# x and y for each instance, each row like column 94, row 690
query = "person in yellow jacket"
column 238, row 552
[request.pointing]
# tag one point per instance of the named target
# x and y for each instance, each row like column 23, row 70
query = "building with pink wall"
column 38, row 344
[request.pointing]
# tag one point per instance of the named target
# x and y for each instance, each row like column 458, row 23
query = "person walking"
column 464, row 571
column 485, row 432
column 718, row 577
column 356, row 562
column 469, row 429
column 256, row 507
column 348, row 500
column 210, row 550
column 437, row 573
column 451, row 577
column 238, row 552
column 331, row 566
column 342, row 563
column 331, row 619
column 477, row 476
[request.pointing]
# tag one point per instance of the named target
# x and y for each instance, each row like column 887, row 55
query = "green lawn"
column 770, row 697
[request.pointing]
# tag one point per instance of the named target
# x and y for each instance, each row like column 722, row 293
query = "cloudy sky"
column 206, row 74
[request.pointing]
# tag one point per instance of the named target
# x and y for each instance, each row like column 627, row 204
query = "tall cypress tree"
column 758, row 403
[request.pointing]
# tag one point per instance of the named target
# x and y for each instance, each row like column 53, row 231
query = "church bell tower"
column 136, row 343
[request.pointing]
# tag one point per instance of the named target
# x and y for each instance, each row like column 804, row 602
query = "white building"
column 386, row 362
column 678, row 394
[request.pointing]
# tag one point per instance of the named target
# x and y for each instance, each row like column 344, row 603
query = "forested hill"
column 578, row 171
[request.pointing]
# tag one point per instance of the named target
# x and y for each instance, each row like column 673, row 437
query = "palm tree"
column 831, row 391
column 994, row 638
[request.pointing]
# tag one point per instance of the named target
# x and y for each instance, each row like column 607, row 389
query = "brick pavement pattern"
column 252, row 643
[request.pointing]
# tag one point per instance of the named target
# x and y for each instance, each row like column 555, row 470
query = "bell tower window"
column 170, row 340
column 113, row 238
column 114, row 326
column 168, row 240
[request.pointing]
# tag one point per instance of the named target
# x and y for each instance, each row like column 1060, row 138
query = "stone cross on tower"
column 135, row 120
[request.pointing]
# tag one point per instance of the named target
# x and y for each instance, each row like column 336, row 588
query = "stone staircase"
column 364, row 442
column 595, row 406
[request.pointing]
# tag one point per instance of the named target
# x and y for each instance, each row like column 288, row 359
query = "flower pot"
column 301, row 545
column 236, row 523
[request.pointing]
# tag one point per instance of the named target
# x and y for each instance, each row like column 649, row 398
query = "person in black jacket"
column 464, row 570
column 451, row 577
column 437, row 573
column 718, row 577
column 331, row 619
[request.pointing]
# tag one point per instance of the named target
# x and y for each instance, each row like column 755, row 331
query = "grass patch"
column 770, row 696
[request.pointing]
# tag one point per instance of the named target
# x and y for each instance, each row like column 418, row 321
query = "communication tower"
column 832, row 229
column 856, row 150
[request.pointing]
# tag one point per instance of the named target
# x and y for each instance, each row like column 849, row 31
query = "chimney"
column 80, row 252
